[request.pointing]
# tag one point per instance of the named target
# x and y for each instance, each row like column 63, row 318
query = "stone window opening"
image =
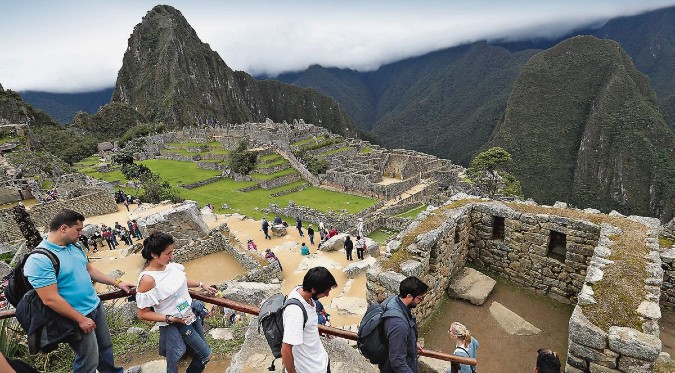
column 498, row 227
column 557, row 246
column 456, row 235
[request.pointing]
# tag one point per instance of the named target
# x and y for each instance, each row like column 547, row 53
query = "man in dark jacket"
column 401, row 332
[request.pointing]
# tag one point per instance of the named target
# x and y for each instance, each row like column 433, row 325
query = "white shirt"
column 170, row 281
column 309, row 355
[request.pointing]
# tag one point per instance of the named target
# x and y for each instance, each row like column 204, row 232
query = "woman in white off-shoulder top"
column 162, row 296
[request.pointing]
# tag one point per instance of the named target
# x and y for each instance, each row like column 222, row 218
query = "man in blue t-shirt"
column 72, row 293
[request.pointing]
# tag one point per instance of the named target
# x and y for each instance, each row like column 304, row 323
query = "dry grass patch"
column 665, row 242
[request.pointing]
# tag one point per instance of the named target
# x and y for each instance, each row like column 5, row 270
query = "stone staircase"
column 295, row 163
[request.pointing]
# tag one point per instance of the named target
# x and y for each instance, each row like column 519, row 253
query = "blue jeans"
column 95, row 350
column 175, row 338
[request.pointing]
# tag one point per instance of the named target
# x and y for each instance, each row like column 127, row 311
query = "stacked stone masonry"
column 518, row 246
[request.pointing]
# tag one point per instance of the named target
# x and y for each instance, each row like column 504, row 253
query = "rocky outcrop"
column 169, row 75
column 255, row 355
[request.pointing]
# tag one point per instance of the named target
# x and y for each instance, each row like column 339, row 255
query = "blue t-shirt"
column 472, row 349
column 74, row 282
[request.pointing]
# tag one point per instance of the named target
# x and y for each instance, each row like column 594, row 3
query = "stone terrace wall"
column 619, row 349
column 668, row 286
column 521, row 255
column 220, row 239
column 438, row 244
column 97, row 202
column 184, row 222
column 435, row 257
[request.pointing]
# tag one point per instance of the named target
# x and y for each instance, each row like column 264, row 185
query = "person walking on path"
column 465, row 346
column 272, row 257
column 359, row 227
column 72, row 294
column 310, row 233
column 163, row 297
column 400, row 330
column 137, row 229
column 265, row 228
column 360, row 242
column 349, row 247
column 298, row 224
column 301, row 349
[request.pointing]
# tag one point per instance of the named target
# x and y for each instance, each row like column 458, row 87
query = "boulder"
column 372, row 247
column 249, row 292
column 221, row 333
column 511, row 322
column 632, row 343
column 278, row 230
column 313, row 260
column 356, row 268
column 471, row 285
column 155, row 366
column 351, row 306
column 334, row 243
column 4, row 269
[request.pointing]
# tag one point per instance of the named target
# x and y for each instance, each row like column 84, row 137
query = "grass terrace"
column 227, row 191
column 284, row 172
column 189, row 172
column 412, row 214
column 272, row 164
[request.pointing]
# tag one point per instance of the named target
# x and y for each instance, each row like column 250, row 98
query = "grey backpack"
column 271, row 318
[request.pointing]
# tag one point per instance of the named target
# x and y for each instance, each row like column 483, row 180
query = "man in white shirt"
column 302, row 350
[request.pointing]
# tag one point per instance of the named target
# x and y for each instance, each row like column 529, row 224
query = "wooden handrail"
column 254, row 310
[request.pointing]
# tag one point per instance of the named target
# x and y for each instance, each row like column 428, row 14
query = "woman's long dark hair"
column 156, row 243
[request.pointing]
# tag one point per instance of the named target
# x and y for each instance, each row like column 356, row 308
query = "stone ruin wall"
column 194, row 240
column 98, row 202
column 521, row 255
column 465, row 234
column 668, row 286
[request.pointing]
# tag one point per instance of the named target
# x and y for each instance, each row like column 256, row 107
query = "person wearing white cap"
column 359, row 227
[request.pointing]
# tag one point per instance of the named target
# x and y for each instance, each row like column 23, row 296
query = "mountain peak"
column 169, row 75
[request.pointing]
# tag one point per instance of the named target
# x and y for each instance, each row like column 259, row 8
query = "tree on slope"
column 488, row 172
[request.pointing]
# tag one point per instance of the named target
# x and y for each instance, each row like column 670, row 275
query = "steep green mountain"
column 445, row 103
column 45, row 136
column 64, row 106
column 649, row 39
column 169, row 75
column 583, row 126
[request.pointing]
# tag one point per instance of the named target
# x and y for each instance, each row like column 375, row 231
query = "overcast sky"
column 74, row 46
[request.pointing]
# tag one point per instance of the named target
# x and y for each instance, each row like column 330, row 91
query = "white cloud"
column 70, row 48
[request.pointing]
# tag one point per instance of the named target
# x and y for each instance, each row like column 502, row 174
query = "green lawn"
column 366, row 150
column 309, row 140
column 380, row 236
column 412, row 214
column 269, row 157
column 178, row 172
column 284, row 172
column 271, row 164
column 227, row 190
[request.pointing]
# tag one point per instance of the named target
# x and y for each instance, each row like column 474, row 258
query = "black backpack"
column 17, row 283
column 370, row 337
column 271, row 318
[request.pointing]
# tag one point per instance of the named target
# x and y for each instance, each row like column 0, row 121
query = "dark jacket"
column 401, row 335
column 349, row 245
column 45, row 328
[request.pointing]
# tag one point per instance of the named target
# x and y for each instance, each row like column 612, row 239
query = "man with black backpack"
column 400, row 327
column 71, row 292
column 302, row 350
